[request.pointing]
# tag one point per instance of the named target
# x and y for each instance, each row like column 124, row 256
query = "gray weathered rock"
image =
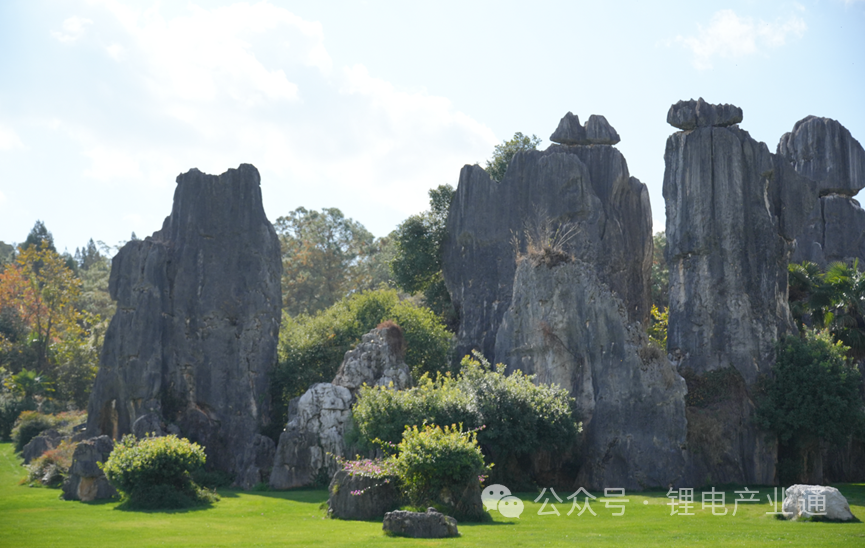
column 817, row 502
column 323, row 413
column 378, row 496
column 835, row 231
column 586, row 189
column 45, row 441
column 824, row 151
column 431, row 524
column 596, row 131
column 732, row 211
column 565, row 326
column 257, row 463
column 198, row 311
column 149, row 424
column 318, row 420
column 86, row 481
column 692, row 114
column 600, row 132
column 377, row 360
column 570, row 131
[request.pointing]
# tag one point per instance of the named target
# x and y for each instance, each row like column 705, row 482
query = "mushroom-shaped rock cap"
column 600, row 132
column 570, row 131
column 597, row 131
column 693, row 114
column 824, row 151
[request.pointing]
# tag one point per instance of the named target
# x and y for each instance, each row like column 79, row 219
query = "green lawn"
column 35, row 517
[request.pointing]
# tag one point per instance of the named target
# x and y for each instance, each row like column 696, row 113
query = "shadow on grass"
column 124, row 507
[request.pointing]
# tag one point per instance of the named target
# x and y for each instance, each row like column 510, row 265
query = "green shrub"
column 311, row 348
column 517, row 416
column 53, row 466
column 156, row 473
column 29, row 425
column 812, row 398
column 435, row 465
column 10, row 409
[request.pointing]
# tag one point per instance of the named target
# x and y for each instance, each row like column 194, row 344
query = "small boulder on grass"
column 430, row 524
column 156, row 473
column 816, row 502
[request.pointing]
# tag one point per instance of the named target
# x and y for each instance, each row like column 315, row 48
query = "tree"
column 417, row 264
column 812, row 398
column 834, row 300
column 322, row 253
column 503, row 153
column 7, row 254
column 37, row 236
column 660, row 272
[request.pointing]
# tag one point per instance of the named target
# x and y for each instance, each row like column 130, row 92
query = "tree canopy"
column 504, row 152
column 417, row 264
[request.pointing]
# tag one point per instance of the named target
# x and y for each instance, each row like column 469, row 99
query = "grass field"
column 36, row 517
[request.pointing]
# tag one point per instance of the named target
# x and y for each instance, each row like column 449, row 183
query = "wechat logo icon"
column 498, row 497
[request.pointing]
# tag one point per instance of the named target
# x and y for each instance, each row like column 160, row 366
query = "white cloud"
column 731, row 36
column 254, row 83
column 9, row 140
column 73, row 29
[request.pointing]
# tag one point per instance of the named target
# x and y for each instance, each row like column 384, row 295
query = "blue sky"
column 365, row 105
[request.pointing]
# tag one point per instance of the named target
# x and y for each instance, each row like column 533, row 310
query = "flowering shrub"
column 53, row 466
column 156, row 472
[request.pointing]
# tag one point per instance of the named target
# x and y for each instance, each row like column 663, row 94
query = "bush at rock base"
column 29, row 425
column 156, row 473
column 442, row 467
column 519, row 417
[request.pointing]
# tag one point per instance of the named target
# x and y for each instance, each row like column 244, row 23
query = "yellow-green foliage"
column 311, row 348
column 432, row 459
column 658, row 327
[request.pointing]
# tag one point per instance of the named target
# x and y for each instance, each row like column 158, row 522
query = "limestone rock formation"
column 430, row 524
column 565, row 326
column 86, row 481
column 693, row 114
column 47, row 440
column 379, row 359
column 195, row 333
column 835, row 231
column 824, row 151
column 377, row 497
column 597, row 131
column 817, row 502
column 570, row 131
column 732, row 212
column 600, row 132
column 585, row 191
column 317, row 421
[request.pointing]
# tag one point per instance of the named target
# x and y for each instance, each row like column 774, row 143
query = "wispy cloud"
column 255, row 83
column 730, row 36
column 73, row 29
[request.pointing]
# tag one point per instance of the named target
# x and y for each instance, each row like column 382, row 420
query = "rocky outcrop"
column 583, row 192
column 317, row 421
column 198, row 308
column 692, row 114
column 733, row 210
column 431, row 524
column 46, row 441
column 597, row 131
column 359, row 497
column 86, row 481
column 379, row 360
column 817, row 502
column 823, row 150
column 566, row 326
